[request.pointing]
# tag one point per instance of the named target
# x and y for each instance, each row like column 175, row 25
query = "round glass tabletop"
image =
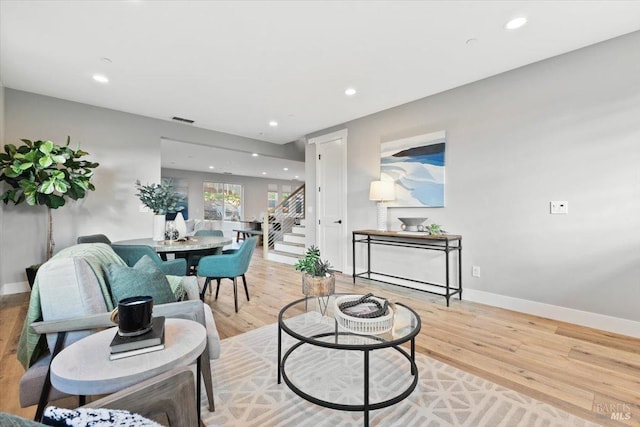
column 313, row 320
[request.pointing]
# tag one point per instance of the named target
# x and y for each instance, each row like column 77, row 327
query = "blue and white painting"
column 416, row 165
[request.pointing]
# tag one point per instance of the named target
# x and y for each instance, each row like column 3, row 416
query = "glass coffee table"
column 311, row 321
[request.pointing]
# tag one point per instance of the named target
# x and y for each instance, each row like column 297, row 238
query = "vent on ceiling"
column 227, row 173
column 180, row 119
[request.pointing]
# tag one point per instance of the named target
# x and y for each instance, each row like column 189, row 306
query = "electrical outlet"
column 475, row 271
column 559, row 207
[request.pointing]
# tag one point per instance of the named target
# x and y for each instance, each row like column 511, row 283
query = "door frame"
column 322, row 139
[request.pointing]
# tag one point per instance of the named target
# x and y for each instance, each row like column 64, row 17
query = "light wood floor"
column 587, row 372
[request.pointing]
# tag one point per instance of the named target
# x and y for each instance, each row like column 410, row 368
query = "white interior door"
column 331, row 161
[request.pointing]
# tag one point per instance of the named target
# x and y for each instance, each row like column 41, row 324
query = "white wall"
column 567, row 128
column 254, row 189
column 2, row 142
column 127, row 147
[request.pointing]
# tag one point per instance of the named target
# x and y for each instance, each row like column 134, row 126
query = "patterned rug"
column 247, row 393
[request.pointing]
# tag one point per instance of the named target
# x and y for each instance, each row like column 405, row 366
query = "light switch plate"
column 559, row 207
column 475, row 271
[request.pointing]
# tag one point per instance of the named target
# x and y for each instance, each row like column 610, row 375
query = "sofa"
column 227, row 227
column 74, row 285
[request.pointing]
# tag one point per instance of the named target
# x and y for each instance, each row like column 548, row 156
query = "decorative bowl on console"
column 412, row 224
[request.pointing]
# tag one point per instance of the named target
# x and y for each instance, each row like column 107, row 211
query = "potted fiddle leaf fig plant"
column 161, row 199
column 42, row 173
column 317, row 278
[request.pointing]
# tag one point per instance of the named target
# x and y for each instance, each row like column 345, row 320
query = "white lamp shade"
column 382, row 190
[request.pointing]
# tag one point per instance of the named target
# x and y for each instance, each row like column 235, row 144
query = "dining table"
column 181, row 248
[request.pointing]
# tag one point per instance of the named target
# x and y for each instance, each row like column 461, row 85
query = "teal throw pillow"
column 144, row 278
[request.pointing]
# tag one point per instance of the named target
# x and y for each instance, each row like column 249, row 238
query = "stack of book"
column 131, row 346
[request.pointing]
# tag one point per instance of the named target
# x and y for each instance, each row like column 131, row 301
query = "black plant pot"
column 32, row 270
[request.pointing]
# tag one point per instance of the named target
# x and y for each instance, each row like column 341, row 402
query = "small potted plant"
column 317, row 277
column 161, row 199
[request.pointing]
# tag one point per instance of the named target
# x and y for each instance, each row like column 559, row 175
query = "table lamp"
column 382, row 191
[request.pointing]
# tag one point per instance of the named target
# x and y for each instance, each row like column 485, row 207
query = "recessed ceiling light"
column 264, row 173
column 273, row 123
column 100, row 78
column 211, row 167
column 285, row 169
column 515, row 23
column 255, row 154
column 350, row 91
column 296, row 177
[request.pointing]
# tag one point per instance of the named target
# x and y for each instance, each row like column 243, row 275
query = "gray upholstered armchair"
column 71, row 295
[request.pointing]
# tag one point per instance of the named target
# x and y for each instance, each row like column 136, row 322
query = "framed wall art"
column 416, row 166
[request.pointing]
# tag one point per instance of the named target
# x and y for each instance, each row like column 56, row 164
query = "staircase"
column 291, row 247
column 286, row 230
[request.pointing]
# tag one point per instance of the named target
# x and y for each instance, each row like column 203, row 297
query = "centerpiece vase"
column 158, row 227
column 181, row 225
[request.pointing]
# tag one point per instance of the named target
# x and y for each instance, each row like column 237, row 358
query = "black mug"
column 133, row 315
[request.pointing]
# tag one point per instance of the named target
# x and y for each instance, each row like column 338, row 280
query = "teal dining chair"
column 194, row 256
column 130, row 254
column 228, row 266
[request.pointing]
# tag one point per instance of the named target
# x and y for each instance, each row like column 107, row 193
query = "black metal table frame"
column 365, row 348
column 408, row 242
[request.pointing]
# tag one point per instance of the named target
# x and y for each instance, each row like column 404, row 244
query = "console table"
column 446, row 243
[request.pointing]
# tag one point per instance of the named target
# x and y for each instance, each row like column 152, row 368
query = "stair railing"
column 283, row 218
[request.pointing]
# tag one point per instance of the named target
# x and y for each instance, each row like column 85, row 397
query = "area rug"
column 247, row 393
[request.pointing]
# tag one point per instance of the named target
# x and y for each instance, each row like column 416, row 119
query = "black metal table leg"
column 413, row 354
column 198, row 386
column 369, row 257
column 446, row 254
column 460, row 268
column 279, row 353
column 366, row 388
column 353, row 256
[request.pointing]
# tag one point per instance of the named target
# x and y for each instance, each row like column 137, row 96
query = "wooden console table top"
column 411, row 234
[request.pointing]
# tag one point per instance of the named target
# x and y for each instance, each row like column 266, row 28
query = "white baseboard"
column 14, row 288
column 564, row 314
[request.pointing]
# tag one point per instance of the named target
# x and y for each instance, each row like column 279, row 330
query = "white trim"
column 342, row 133
column 593, row 320
column 332, row 136
column 14, row 288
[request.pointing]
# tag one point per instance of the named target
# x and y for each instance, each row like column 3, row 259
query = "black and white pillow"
column 54, row 416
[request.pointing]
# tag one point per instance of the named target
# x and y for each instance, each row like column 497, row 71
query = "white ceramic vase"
column 181, row 226
column 158, row 227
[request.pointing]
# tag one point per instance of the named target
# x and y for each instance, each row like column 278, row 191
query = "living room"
column 562, row 127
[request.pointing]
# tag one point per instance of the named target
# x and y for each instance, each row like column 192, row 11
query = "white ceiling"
column 234, row 66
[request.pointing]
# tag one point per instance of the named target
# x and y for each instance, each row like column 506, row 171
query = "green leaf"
column 48, row 187
column 45, row 161
column 54, row 202
column 25, row 166
column 58, row 159
column 61, row 186
column 46, row 147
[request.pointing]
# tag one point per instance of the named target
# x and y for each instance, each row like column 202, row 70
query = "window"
column 222, row 201
column 272, row 200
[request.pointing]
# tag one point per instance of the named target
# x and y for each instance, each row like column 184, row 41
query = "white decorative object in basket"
column 359, row 325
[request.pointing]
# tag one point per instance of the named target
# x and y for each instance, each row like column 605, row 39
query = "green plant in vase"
column 161, row 199
column 317, row 277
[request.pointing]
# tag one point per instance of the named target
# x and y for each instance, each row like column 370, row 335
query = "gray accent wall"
column 567, row 128
column 127, row 146
column 254, row 189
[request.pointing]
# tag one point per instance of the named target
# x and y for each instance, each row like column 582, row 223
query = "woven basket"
column 357, row 325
